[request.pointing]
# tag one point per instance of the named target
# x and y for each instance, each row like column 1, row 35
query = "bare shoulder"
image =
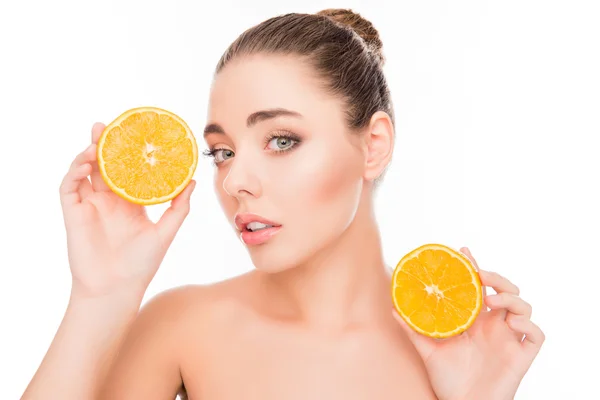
column 198, row 300
column 189, row 309
column 197, row 314
column 166, row 335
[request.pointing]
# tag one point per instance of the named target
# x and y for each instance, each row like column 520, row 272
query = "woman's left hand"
column 489, row 360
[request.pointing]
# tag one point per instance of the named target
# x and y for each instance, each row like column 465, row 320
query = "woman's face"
column 284, row 157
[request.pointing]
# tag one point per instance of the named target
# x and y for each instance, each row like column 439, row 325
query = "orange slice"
column 437, row 291
column 147, row 155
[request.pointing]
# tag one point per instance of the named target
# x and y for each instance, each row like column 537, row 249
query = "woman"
column 301, row 128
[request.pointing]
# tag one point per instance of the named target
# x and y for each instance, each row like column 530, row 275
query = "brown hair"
column 344, row 48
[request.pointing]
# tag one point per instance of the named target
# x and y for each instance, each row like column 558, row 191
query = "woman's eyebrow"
column 213, row 128
column 263, row 115
column 253, row 119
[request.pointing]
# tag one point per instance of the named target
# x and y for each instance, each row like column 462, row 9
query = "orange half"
column 147, row 155
column 437, row 291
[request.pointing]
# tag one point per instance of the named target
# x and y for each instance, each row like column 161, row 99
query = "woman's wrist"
column 106, row 308
column 125, row 293
column 110, row 312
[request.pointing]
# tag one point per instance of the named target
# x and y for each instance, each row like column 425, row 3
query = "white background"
column 497, row 118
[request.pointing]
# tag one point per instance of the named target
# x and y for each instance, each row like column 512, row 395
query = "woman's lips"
column 258, row 236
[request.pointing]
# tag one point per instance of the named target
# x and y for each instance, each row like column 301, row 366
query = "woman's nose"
column 242, row 179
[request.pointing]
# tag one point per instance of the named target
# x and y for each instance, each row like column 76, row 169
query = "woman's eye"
column 280, row 143
column 223, row 155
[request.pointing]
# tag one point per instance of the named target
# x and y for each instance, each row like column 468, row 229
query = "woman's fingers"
column 499, row 283
column 534, row 337
column 75, row 185
column 467, row 252
column 97, row 182
column 511, row 302
column 509, row 306
column 173, row 218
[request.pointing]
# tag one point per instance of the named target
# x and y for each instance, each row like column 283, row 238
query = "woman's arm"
column 104, row 349
column 84, row 346
column 114, row 253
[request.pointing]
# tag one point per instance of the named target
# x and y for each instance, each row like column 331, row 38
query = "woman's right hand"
column 113, row 246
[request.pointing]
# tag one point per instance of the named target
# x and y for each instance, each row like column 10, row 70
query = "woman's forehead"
column 260, row 82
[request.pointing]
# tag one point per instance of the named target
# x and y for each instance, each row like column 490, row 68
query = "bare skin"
column 314, row 319
column 230, row 344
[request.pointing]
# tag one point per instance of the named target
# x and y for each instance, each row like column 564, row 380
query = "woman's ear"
column 380, row 145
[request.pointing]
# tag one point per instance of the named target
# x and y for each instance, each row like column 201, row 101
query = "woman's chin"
column 268, row 263
column 270, row 258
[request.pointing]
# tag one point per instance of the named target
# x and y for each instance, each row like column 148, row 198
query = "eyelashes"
column 283, row 141
column 218, row 154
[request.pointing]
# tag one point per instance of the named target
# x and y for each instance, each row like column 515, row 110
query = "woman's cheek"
column 329, row 182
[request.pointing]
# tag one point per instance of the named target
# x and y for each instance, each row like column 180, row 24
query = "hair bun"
column 363, row 27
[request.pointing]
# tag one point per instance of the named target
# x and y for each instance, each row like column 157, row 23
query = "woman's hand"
column 489, row 360
column 112, row 245
column 114, row 252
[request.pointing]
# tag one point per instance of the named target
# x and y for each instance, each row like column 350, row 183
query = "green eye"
column 281, row 143
column 221, row 155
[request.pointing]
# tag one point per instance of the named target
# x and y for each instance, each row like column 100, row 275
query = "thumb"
column 423, row 344
column 170, row 222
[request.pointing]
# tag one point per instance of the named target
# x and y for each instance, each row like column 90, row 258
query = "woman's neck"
column 345, row 284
